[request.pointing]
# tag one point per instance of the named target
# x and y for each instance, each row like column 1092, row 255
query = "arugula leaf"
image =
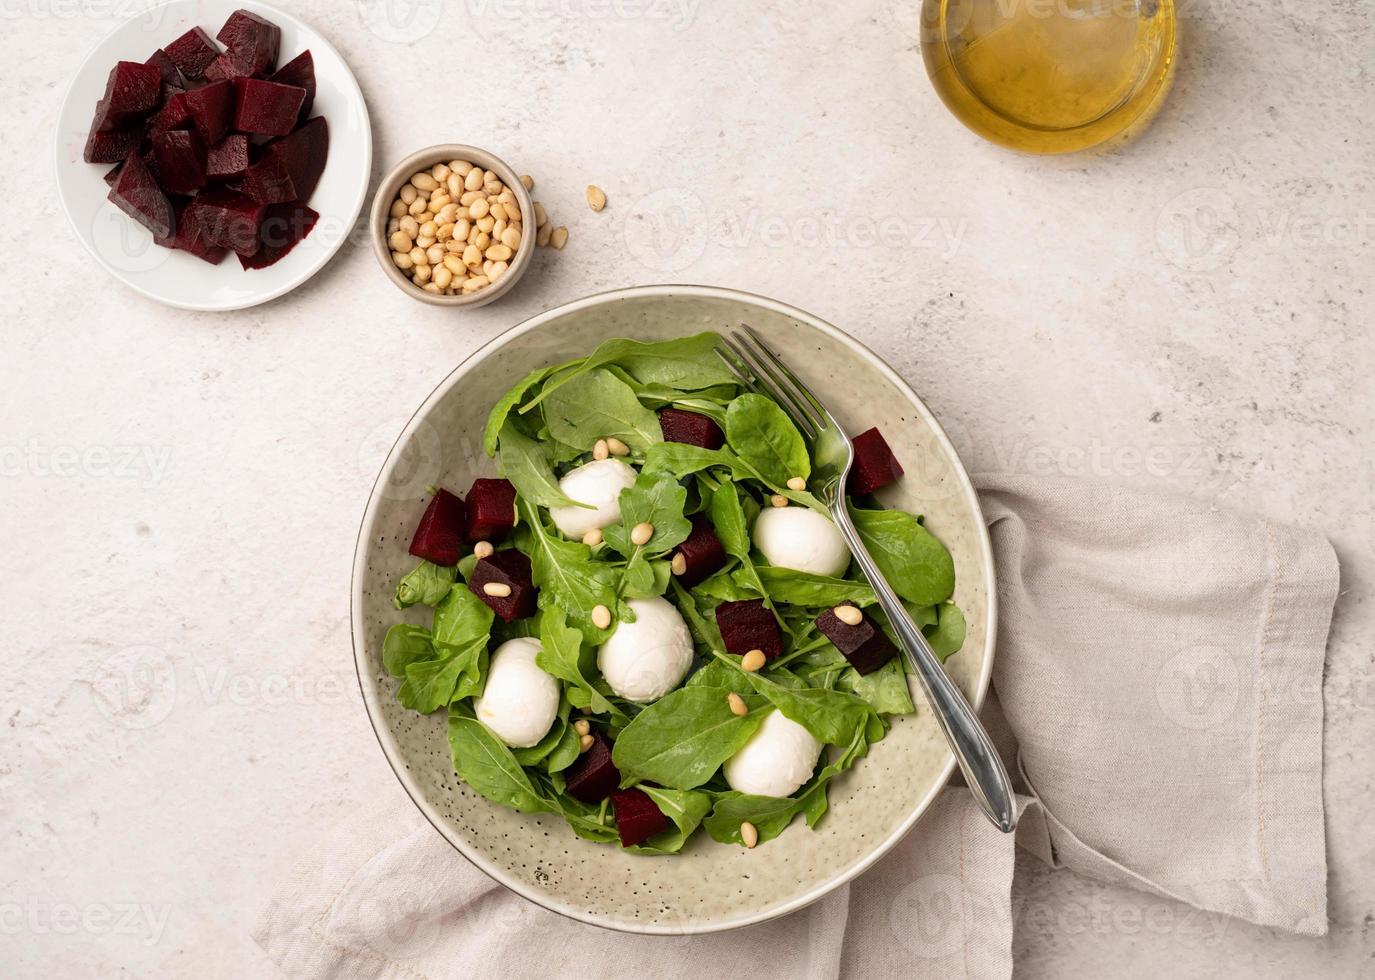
column 948, row 635
column 525, row 463
column 566, row 574
column 496, row 418
column 681, row 740
column 597, row 405
column 885, row 689
column 561, row 655
column 917, row 566
column 426, row 584
column 766, row 438
column 728, row 517
column 462, row 624
column 461, row 619
column 684, row 364
column 566, row 752
column 404, row 645
column 535, row 754
column 685, row 808
column 644, row 579
column 831, row 716
column 658, row 500
column 485, row 763
column 681, row 459
column 796, row 588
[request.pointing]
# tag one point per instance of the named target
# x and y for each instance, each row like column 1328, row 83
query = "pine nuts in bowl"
column 453, row 225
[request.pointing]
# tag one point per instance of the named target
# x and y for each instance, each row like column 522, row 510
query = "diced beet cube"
column 180, row 156
column 269, row 182
column 703, row 553
column 491, row 510
column 138, row 195
column 193, row 52
column 211, row 109
column 224, row 69
column 190, row 237
column 866, row 646
column 106, row 120
column 300, row 72
column 174, row 114
column 638, row 818
column 171, row 74
column 229, row 219
column 113, row 172
column 749, row 625
column 228, row 159
column 252, row 42
column 266, row 108
column 111, row 147
column 510, row 568
column 283, row 228
column 875, row 465
column 692, row 428
column 132, row 89
column 439, row 535
column 593, row 777
column 304, row 152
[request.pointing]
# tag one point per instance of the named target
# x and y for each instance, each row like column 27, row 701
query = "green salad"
column 647, row 624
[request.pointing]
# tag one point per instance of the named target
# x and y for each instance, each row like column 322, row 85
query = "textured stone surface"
column 180, row 492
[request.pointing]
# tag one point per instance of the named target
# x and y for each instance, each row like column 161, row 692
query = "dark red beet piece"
column 193, row 52
column 439, row 535
column 138, row 195
column 703, row 552
column 300, row 72
column 171, row 74
column 113, row 172
column 304, row 152
column 180, row 156
column 228, row 159
column 593, row 777
column 174, row 114
column 211, row 109
column 512, row 569
column 491, row 510
column 111, row 147
column 252, row 42
column 692, row 428
column 866, row 646
column 229, row 219
column 132, row 89
column 189, row 237
column 268, row 182
column 875, row 465
column 748, row 625
column 638, row 818
column 266, row 108
column 224, row 69
column 283, row 228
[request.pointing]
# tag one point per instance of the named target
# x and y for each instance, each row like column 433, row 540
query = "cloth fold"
column 1160, row 668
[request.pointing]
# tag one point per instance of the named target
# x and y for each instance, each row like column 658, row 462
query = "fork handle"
column 983, row 769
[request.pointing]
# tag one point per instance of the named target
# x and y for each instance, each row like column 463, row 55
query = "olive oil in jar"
column 1051, row 76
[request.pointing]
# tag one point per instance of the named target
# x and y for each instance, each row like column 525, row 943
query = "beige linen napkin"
column 1159, row 664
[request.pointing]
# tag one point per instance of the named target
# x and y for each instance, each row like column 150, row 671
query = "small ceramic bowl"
column 423, row 160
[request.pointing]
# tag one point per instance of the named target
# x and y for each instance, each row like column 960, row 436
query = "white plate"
column 126, row 248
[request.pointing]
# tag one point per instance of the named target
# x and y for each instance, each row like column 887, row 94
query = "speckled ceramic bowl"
column 709, row 886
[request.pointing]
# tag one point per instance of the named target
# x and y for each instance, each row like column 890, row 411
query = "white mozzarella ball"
column 519, row 701
column 599, row 484
column 777, row 759
column 801, row 539
column 646, row 659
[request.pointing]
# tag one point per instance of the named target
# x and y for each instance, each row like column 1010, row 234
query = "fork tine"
column 740, row 373
column 770, row 388
column 793, row 383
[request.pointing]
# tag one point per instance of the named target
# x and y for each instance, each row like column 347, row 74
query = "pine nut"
column 510, row 238
column 500, row 253
column 498, row 211
column 439, row 200
column 440, row 171
column 430, row 287
column 410, row 226
column 600, row 450
column 483, row 549
column 402, row 260
column 585, row 743
column 460, row 167
column 418, row 256
column 778, row 500
column 497, row 271
column 752, row 661
column 442, row 277
column 848, row 614
column 749, row 834
column 435, row 253
column 401, row 242
column 482, row 240
column 678, row 566
column 737, row 704
column 422, row 273
column 541, row 218
column 475, row 283
column 473, row 180
column 398, row 208
column 499, row 228
column 424, row 182
column 797, row 483
column 558, row 238
column 601, row 617
column 641, row 533
column 596, row 197
column 617, row 447
column 497, row 590
column 454, row 184
column 527, row 182
column 593, row 537
column 419, row 206
column 542, row 235
column 582, row 726
column 472, row 258
column 408, row 194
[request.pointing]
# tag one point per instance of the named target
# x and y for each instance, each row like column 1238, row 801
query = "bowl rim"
column 424, row 159
column 388, row 743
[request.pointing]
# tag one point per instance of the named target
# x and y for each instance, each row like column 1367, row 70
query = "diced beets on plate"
column 171, row 74
column 111, row 147
column 228, row 159
column 138, row 195
column 304, row 152
column 439, row 535
column 692, row 428
column 748, row 625
column 269, row 182
column 266, row 108
column 874, row 467
column 638, row 818
column 189, row 237
column 283, row 228
column 211, row 109
column 510, row 568
column 132, row 89
column 252, row 42
column 193, row 52
column 702, row 552
column 866, row 646
column 180, row 156
column 593, row 777
column 299, row 71
column 491, row 510
column 229, row 219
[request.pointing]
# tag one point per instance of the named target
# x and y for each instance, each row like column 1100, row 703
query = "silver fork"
column 760, row 370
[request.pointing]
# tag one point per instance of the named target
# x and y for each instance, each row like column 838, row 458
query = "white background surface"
column 180, row 492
